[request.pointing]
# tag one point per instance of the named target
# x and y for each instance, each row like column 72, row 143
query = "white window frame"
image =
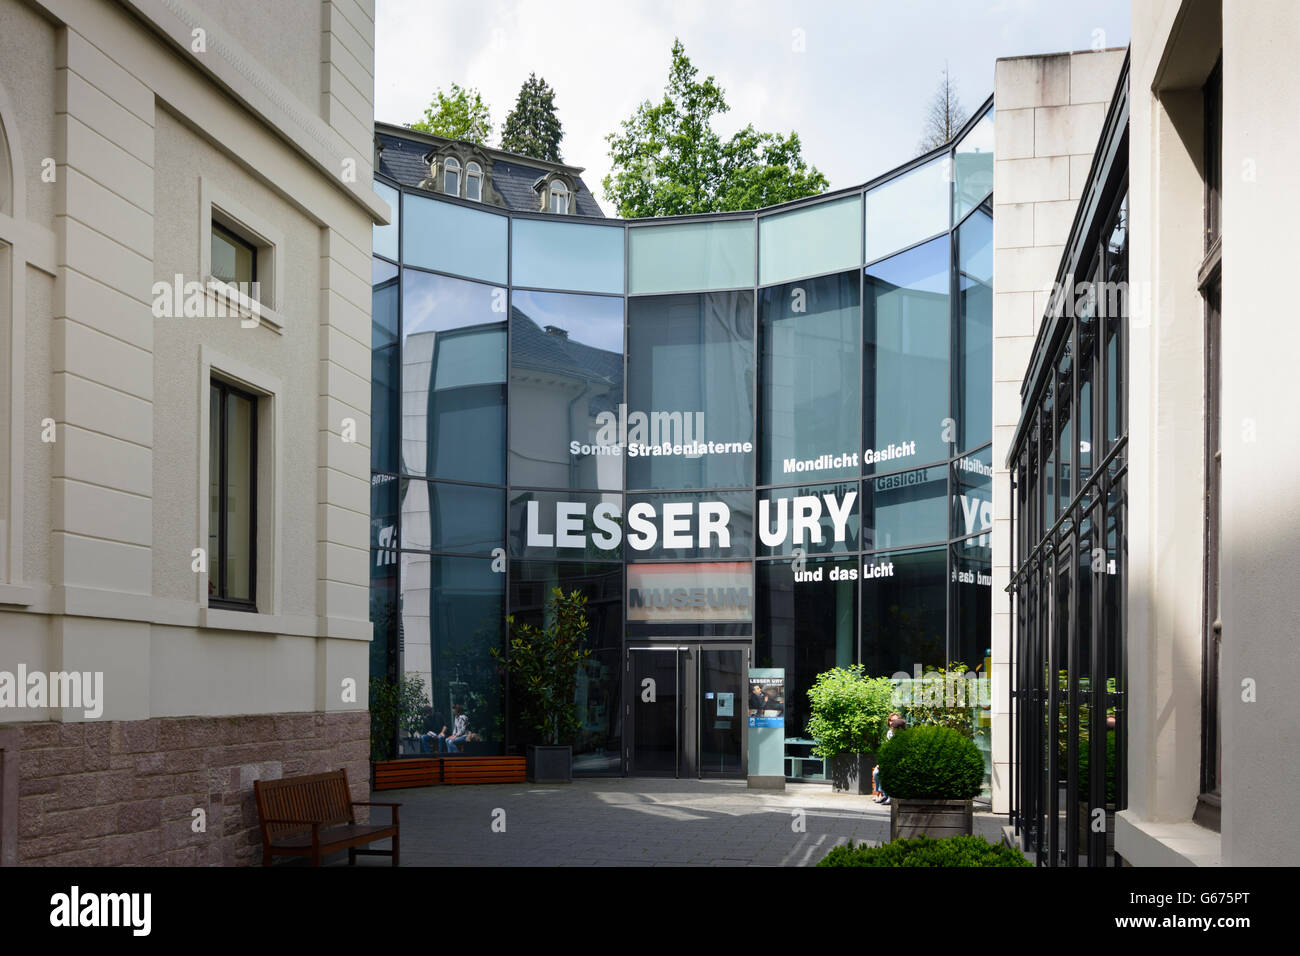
column 215, row 204
column 475, row 172
column 559, row 195
column 449, row 165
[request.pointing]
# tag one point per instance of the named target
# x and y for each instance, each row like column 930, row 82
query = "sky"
column 853, row 79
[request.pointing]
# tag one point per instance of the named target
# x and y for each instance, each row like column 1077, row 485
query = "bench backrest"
column 320, row 798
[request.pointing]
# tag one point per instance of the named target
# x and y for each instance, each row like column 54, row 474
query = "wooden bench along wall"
column 314, row 815
column 433, row 771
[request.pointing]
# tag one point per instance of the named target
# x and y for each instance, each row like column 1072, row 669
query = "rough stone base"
column 125, row 792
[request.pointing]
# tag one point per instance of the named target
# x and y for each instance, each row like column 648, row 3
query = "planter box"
column 851, row 773
column 925, row 817
column 549, row 765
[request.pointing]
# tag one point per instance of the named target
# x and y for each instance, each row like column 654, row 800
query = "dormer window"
column 451, row 176
column 559, row 198
column 474, row 182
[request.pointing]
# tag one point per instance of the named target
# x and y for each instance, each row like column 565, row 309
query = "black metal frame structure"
column 1068, row 463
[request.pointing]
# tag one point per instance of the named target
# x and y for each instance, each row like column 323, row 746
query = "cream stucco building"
column 211, row 567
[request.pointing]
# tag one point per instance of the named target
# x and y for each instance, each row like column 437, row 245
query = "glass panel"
column 671, row 595
column 567, row 255
column 684, row 524
column 383, row 511
column 908, row 209
column 598, row 748
column 690, row 383
column 565, row 524
column 566, row 381
column 972, row 503
column 384, row 238
column 906, row 332
column 904, row 611
column 240, row 488
column 452, row 617
column 905, row 508
column 806, row 626
column 974, row 412
column 691, row 256
column 973, row 171
column 817, row 239
column 385, row 372
column 722, row 695
column 451, row 238
column 443, row 517
column 1064, row 416
column 383, row 613
column 820, row 519
column 810, row 343
column 453, row 378
column 657, row 722
column 972, row 582
column 233, row 260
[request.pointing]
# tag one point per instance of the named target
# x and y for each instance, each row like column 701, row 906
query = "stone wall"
column 124, row 792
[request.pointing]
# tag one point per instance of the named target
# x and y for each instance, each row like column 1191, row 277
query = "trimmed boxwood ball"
column 931, row 762
column 926, row 851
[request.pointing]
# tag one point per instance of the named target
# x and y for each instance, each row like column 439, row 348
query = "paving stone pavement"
column 631, row 822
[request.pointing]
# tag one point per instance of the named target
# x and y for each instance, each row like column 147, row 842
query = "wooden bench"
column 313, row 815
column 448, row 769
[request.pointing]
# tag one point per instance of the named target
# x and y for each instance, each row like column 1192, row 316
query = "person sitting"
column 459, row 729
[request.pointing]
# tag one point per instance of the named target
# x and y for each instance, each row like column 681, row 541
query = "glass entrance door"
column 654, row 711
column 685, row 710
column 721, row 712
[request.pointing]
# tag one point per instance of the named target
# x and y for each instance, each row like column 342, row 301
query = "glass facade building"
column 754, row 439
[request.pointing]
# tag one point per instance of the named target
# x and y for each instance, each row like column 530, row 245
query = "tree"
column 945, row 115
column 670, row 161
column 460, row 114
column 544, row 661
column 532, row 128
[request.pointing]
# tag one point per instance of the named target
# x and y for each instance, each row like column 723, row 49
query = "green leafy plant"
column 669, row 160
column 460, row 114
column 932, row 762
column 532, row 128
column 400, row 704
column 926, row 851
column 543, row 663
column 934, row 702
column 849, row 711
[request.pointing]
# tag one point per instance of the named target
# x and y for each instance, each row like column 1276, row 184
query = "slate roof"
column 513, row 176
column 533, row 347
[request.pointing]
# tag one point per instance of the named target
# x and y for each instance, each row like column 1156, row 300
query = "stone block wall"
column 119, row 793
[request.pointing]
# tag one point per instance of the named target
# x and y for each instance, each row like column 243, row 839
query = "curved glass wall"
column 769, row 430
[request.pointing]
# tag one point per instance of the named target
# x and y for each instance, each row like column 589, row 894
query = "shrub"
column 934, row 762
column 926, row 851
column 849, row 711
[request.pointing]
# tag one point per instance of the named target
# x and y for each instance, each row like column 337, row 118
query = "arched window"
column 559, row 198
column 474, row 182
column 451, row 176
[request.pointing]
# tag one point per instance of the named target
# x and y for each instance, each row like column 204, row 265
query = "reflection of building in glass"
column 752, row 439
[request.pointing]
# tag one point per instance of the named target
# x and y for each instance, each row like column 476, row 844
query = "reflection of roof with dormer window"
column 515, row 179
column 533, row 347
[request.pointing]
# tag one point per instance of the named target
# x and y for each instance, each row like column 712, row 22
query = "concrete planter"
column 928, row 817
column 549, row 764
column 851, row 773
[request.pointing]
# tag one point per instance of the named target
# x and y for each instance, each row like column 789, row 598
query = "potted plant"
column 849, row 712
column 931, row 774
column 543, row 663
